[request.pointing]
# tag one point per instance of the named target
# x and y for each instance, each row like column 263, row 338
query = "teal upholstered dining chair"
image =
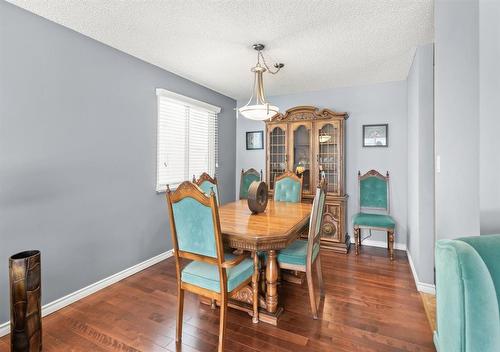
column 468, row 294
column 196, row 236
column 207, row 184
column 247, row 177
column 288, row 188
column 374, row 196
column 301, row 255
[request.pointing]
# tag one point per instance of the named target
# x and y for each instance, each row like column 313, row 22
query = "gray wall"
column 413, row 162
column 489, row 105
column 78, row 154
column 420, row 163
column 457, row 118
column 380, row 103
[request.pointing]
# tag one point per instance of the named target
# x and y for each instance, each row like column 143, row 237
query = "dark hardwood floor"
column 371, row 304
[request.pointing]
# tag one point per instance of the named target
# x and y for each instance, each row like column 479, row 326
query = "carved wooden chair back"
column 288, row 188
column 247, row 177
column 207, row 184
column 374, row 191
column 313, row 239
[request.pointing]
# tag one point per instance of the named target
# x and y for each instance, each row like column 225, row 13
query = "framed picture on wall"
column 376, row 135
column 255, row 140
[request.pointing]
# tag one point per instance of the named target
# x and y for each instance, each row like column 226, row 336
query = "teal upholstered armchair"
column 247, row 177
column 374, row 196
column 196, row 236
column 288, row 188
column 207, row 184
column 468, row 294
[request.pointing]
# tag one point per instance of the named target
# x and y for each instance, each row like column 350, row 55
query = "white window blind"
column 187, row 139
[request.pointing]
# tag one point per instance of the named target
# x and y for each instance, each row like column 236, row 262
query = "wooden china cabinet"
column 311, row 143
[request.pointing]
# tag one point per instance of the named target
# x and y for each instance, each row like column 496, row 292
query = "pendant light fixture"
column 257, row 107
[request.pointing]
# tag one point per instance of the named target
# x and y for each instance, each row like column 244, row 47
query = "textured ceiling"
column 324, row 44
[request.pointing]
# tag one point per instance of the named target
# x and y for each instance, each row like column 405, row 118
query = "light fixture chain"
column 277, row 66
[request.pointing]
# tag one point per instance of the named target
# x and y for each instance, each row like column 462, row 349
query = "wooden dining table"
column 274, row 229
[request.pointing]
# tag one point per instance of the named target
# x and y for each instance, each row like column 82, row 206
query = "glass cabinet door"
column 277, row 144
column 301, row 154
column 328, row 136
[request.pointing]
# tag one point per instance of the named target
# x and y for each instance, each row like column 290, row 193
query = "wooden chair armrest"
column 235, row 261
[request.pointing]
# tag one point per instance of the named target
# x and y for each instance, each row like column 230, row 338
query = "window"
column 187, row 139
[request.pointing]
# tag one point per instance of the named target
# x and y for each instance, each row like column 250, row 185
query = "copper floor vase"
column 25, row 308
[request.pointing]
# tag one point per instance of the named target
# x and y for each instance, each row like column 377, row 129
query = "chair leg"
column 180, row 309
column 312, row 298
column 320, row 277
column 222, row 323
column 255, row 288
column 391, row 243
column 357, row 239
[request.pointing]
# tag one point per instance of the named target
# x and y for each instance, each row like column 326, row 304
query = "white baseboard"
column 92, row 288
column 381, row 244
column 421, row 286
column 4, row 328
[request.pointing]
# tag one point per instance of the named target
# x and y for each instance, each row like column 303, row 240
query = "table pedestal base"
column 243, row 300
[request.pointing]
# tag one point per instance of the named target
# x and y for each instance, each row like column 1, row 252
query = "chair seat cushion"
column 207, row 275
column 296, row 253
column 374, row 220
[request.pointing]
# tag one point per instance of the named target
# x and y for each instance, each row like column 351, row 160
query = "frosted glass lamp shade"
column 259, row 112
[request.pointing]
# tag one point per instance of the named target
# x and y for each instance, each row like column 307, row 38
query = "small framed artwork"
column 376, row 135
column 255, row 140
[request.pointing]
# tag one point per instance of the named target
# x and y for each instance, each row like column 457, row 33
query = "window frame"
column 189, row 103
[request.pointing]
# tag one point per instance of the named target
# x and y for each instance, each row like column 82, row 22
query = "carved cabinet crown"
column 300, row 113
